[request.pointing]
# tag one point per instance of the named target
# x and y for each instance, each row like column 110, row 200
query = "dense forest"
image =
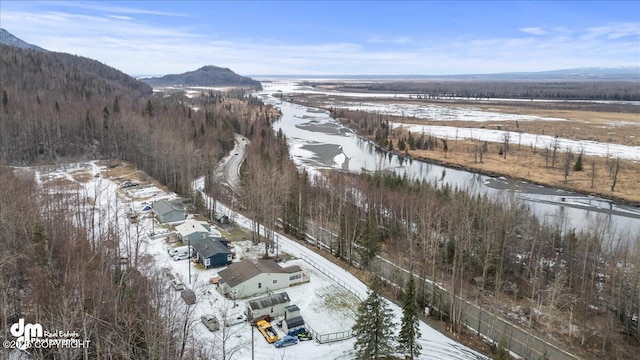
column 483, row 89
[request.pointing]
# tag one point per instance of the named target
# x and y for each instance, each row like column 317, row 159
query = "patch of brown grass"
column 82, row 176
column 522, row 163
column 235, row 234
column 61, row 184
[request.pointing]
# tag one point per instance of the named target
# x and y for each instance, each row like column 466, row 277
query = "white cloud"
column 120, row 17
column 389, row 40
column 146, row 48
column 98, row 6
column 533, row 30
column 613, row 31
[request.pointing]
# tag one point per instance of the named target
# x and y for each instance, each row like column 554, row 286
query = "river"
column 318, row 141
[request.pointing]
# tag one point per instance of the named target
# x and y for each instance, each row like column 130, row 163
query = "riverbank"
column 522, row 163
column 602, row 176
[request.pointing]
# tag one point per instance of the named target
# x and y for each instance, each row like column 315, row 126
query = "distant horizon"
column 334, row 37
column 625, row 69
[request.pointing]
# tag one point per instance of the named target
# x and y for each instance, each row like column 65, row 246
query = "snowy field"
column 325, row 305
column 526, row 139
column 439, row 113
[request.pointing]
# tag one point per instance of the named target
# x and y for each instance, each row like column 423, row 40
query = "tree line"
column 486, row 89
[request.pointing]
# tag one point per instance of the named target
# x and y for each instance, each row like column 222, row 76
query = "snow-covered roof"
column 192, row 226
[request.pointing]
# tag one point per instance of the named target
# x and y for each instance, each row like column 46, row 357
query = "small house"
column 249, row 278
column 193, row 231
column 272, row 305
column 212, row 253
column 168, row 211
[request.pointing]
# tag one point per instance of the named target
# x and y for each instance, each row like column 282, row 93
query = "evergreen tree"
column 5, row 100
column 149, row 109
column 578, row 165
column 374, row 328
column 410, row 326
column 502, row 351
column 116, row 105
column 412, row 142
column 401, row 145
column 370, row 242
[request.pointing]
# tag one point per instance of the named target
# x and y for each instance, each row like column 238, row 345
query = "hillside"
column 52, row 71
column 9, row 39
column 205, row 76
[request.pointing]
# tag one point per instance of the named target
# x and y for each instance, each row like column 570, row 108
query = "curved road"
column 228, row 171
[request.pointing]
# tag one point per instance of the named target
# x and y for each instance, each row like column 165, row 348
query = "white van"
column 181, row 256
column 179, row 251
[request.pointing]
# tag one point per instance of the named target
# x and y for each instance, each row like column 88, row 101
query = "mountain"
column 43, row 71
column 9, row 39
column 205, row 76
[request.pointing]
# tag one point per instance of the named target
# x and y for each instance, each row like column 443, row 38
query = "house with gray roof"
column 254, row 277
column 168, row 211
column 212, row 253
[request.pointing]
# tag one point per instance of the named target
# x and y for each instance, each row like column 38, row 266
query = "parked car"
column 286, row 341
column 305, row 336
column 296, row 331
column 177, row 285
column 235, row 320
column 267, row 331
column 182, row 256
column 178, row 250
column 127, row 184
column 211, row 322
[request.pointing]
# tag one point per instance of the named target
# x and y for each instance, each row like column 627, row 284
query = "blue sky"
column 334, row 37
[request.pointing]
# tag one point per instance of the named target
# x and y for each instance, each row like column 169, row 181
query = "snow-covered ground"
column 327, row 302
column 527, row 139
column 440, row 113
column 294, row 86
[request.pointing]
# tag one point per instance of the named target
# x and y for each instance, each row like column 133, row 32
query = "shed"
column 272, row 305
column 188, row 296
column 291, row 311
column 292, row 323
column 212, row 253
column 223, row 220
column 168, row 211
